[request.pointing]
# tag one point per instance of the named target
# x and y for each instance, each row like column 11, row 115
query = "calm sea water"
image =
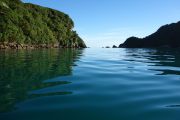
column 90, row 84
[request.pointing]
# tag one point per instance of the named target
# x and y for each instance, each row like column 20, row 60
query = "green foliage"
column 32, row 24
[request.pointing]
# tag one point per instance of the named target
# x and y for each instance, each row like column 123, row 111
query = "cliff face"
column 25, row 24
column 165, row 36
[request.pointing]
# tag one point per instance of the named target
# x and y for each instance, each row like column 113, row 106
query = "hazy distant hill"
column 166, row 36
column 25, row 24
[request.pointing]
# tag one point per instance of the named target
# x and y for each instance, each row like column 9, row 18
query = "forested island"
column 25, row 25
column 165, row 36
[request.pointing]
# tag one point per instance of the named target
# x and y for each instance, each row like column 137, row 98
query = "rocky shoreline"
column 30, row 46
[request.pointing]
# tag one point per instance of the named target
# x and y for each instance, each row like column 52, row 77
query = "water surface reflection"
column 90, row 84
column 23, row 71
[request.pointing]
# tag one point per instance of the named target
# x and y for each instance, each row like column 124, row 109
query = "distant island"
column 166, row 36
column 25, row 25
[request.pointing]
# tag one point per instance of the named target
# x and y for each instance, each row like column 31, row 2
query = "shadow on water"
column 23, row 71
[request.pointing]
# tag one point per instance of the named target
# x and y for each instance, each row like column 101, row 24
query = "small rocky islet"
column 25, row 25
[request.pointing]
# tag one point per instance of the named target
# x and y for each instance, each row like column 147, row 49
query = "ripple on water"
column 106, row 84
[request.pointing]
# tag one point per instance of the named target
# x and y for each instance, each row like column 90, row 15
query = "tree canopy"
column 25, row 23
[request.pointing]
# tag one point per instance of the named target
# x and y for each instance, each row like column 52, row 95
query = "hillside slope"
column 165, row 36
column 26, row 25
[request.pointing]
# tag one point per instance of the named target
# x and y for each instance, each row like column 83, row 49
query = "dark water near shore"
column 90, row 84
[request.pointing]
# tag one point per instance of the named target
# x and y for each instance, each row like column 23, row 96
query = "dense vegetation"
column 166, row 36
column 35, row 26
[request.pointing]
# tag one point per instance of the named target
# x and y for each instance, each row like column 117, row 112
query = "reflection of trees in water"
column 167, row 59
column 23, row 71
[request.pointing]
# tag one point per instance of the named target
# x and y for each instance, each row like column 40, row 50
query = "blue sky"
column 110, row 22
